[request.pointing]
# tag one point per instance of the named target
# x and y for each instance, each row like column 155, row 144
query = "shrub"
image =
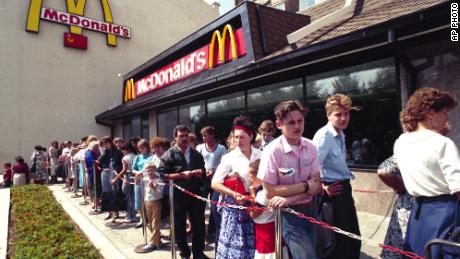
column 41, row 228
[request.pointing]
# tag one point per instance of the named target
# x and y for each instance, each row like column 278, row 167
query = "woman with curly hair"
column 430, row 166
column 236, row 239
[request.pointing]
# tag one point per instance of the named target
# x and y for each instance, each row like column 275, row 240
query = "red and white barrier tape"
column 310, row 219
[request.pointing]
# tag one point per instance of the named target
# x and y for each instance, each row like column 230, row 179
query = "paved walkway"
column 119, row 242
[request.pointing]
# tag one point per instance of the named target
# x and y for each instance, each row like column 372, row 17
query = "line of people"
column 287, row 171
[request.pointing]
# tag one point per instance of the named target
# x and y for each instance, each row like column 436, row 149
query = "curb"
column 4, row 220
column 102, row 244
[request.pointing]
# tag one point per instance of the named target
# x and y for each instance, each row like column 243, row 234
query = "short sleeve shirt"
column 211, row 159
column 236, row 161
column 283, row 164
column 429, row 163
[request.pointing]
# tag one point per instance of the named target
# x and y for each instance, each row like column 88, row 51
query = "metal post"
column 76, row 178
column 94, row 187
column 171, row 219
column 64, row 176
column 85, row 183
column 278, row 234
column 69, row 171
column 143, row 216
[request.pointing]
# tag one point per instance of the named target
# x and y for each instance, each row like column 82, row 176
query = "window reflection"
column 193, row 115
column 262, row 100
column 222, row 110
column 167, row 120
column 436, row 64
column 374, row 124
column 127, row 130
column 145, row 134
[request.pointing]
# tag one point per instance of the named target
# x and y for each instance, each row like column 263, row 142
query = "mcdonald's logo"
column 75, row 20
column 230, row 46
column 235, row 43
column 130, row 93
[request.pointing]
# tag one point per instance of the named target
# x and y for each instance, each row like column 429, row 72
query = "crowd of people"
column 257, row 169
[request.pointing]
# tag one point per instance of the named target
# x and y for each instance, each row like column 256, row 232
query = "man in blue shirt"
column 336, row 176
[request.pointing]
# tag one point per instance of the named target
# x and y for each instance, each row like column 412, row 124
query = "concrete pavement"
column 119, row 242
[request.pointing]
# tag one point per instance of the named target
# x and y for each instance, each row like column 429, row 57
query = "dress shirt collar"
column 239, row 153
column 288, row 148
column 187, row 151
column 332, row 130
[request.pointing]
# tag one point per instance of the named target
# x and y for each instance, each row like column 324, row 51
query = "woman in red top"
column 20, row 172
column 7, row 181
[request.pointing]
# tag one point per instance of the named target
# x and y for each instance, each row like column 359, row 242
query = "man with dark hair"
column 110, row 160
column 186, row 167
column 289, row 169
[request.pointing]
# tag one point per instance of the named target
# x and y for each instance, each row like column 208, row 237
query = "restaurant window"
column 374, row 123
column 145, row 127
column 167, row 120
column 435, row 64
column 280, row 6
column 221, row 112
column 193, row 115
column 262, row 100
column 136, row 126
column 127, row 129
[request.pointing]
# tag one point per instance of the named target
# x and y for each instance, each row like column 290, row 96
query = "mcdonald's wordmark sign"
column 223, row 47
column 77, row 22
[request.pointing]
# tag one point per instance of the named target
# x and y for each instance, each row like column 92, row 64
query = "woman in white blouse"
column 430, row 166
column 236, row 239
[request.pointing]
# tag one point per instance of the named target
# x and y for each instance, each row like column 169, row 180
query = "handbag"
column 234, row 183
column 389, row 174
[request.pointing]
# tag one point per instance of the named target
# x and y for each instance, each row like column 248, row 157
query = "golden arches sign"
column 221, row 38
column 130, row 93
column 73, row 7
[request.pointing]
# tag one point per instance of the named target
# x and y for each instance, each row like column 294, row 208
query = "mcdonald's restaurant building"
column 253, row 57
column 61, row 62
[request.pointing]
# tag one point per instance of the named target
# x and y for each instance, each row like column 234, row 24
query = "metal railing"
column 441, row 243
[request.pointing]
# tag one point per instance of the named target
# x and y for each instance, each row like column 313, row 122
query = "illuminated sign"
column 199, row 60
column 77, row 22
column 130, row 94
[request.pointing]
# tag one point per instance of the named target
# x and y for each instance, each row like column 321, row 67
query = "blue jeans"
column 105, row 178
column 128, row 190
column 137, row 197
column 300, row 234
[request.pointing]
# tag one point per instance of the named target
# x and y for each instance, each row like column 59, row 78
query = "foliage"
column 42, row 229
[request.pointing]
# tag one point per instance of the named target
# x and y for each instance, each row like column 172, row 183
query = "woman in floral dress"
column 389, row 173
column 237, row 238
column 40, row 159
